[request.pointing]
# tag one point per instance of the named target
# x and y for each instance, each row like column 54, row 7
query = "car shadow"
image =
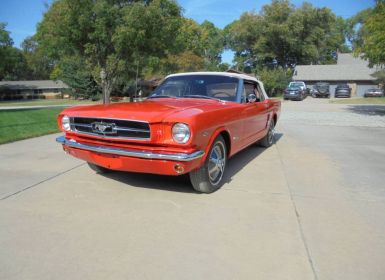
column 371, row 110
column 182, row 183
column 243, row 158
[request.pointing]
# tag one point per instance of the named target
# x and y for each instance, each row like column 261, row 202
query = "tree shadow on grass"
column 182, row 183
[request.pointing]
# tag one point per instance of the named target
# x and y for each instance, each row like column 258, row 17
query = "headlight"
column 181, row 133
column 65, row 123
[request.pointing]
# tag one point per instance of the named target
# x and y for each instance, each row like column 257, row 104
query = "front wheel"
column 208, row 178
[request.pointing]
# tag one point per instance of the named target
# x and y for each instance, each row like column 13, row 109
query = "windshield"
column 292, row 87
column 198, row 86
column 295, row 84
column 321, row 85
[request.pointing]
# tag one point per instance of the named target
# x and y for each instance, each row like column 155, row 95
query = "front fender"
column 214, row 135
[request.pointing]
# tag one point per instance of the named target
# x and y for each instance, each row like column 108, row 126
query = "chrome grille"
column 111, row 128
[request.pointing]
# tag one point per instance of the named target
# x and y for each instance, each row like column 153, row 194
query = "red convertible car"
column 192, row 123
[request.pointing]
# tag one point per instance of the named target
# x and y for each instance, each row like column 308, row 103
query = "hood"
column 152, row 110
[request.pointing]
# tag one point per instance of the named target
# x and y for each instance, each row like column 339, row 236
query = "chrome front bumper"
column 130, row 153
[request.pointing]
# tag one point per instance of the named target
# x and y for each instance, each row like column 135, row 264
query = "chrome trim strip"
column 129, row 120
column 114, row 128
column 131, row 129
column 111, row 137
column 130, row 153
column 81, row 124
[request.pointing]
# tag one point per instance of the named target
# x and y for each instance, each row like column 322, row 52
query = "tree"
column 198, row 47
column 212, row 42
column 5, row 48
column 115, row 37
column 186, row 61
column 284, row 35
column 13, row 65
column 39, row 65
column 75, row 73
column 369, row 39
column 275, row 80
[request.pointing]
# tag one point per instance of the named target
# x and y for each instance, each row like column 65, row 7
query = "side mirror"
column 251, row 98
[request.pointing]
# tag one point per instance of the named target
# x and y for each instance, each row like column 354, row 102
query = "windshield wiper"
column 162, row 96
column 200, row 96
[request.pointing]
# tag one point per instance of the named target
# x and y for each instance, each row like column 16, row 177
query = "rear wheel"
column 208, row 178
column 97, row 168
column 268, row 140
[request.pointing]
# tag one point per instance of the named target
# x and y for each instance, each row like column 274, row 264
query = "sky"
column 22, row 16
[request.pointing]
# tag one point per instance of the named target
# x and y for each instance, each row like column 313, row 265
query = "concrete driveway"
column 310, row 207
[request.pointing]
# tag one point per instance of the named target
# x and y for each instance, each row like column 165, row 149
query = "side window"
column 249, row 88
column 252, row 87
column 259, row 93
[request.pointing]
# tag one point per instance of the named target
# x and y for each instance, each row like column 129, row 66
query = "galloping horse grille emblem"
column 104, row 128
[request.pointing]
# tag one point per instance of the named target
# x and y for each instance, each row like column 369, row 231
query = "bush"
column 275, row 80
column 96, row 97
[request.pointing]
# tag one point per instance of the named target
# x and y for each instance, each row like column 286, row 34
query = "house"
column 349, row 69
column 16, row 90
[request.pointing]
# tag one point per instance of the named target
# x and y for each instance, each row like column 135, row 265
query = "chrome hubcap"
column 217, row 162
column 271, row 133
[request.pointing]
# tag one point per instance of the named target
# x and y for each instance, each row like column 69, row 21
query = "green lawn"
column 369, row 100
column 22, row 124
column 46, row 102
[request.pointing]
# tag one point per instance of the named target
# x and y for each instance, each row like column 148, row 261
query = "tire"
column 268, row 140
column 98, row 169
column 202, row 179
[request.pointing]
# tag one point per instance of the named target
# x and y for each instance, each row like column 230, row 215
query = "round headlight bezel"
column 181, row 133
column 65, row 123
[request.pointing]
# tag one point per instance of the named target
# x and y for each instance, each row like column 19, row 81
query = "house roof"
column 348, row 68
column 42, row 84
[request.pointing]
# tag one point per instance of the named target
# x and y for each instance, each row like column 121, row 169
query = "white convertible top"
column 226, row 74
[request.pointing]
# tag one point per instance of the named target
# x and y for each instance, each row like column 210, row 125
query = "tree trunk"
column 106, row 91
column 106, row 86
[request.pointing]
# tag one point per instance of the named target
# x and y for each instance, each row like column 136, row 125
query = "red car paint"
column 241, row 124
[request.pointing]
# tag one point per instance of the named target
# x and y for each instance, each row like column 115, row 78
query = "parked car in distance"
column 294, row 93
column 299, row 84
column 192, row 123
column 374, row 92
column 342, row 90
column 309, row 90
column 321, row 89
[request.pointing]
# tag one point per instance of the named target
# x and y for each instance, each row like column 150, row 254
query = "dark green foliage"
column 74, row 72
column 284, row 35
column 26, row 64
column 380, row 77
column 39, row 65
column 367, row 34
column 12, row 61
column 275, row 80
column 114, row 38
